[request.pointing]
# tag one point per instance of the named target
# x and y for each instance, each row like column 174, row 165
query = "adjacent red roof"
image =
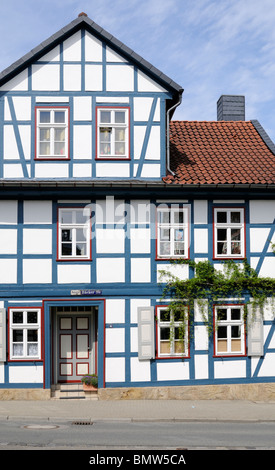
column 219, row 152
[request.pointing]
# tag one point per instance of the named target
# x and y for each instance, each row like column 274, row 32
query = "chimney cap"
column 82, row 14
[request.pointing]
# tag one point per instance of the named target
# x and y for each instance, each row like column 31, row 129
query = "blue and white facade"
column 86, row 224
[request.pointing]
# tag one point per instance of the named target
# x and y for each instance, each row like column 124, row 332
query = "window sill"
column 114, row 158
column 73, row 259
column 38, row 159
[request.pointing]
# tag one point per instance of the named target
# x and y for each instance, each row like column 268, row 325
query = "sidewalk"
column 139, row 410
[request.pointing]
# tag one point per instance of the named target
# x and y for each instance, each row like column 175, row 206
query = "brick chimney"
column 231, row 108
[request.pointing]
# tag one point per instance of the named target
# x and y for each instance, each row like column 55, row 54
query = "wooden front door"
column 75, row 346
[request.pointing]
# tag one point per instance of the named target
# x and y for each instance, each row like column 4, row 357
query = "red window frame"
column 53, row 158
column 112, row 158
column 41, row 333
column 89, row 243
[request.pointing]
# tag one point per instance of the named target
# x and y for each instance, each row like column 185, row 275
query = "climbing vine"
column 208, row 285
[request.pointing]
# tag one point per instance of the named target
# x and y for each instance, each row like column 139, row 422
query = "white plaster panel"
column 140, row 240
column 93, row 48
column 8, row 241
column 25, row 136
column 119, row 78
column 262, row 212
column 115, row 340
column 134, row 339
column 147, row 84
column 13, row 171
column 115, row 369
column 82, row 170
column 140, row 370
column 173, row 371
column 153, row 146
column 22, row 107
column 179, row 270
column 258, row 238
column 82, row 108
column 112, row 99
column 37, row 271
column 10, row 144
column 73, row 273
column 37, row 241
column 18, row 83
column 227, row 369
column 82, row 142
column 72, row 77
column 26, row 374
column 200, row 212
column 37, row 212
column 72, row 48
column 135, row 303
column 140, row 270
column 142, row 108
column 201, row 240
column 93, row 77
column 110, row 270
column 115, row 310
column 46, row 77
column 268, row 267
column 157, row 112
column 150, row 171
column 112, row 56
column 110, row 211
column 139, row 135
column 8, row 271
column 201, row 367
column 115, row 170
column 110, row 240
column 201, row 338
column 7, row 114
column 8, row 212
column 53, row 55
column 140, row 211
column 51, row 170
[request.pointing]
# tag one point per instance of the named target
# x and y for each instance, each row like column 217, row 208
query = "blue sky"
column 209, row 47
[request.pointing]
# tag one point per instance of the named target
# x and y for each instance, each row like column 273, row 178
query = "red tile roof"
column 219, row 152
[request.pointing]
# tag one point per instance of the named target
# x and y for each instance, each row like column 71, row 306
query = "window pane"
column 81, row 249
column 236, row 345
column 32, row 317
column 44, row 148
column 164, row 217
column 165, row 347
column 105, row 134
column 59, row 117
column 179, row 347
column 164, row 333
column 59, row 148
column 236, row 234
column 59, row 135
column 179, row 249
column 164, row 315
column 17, row 336
column 32, row 350
column 178, row 235
column 45, row 117
column 164, row 234
column 178, row 217
column 235, row 331
column 45, row 134
column 221, row 233
column 119, row 148
column 221, row 217
column 222, row 332
column 222, row 248
column 119, row 117
column 222, row 346
column 236, row 248
column 66, row 235
column 235, row 217
column 120, row 135
column 66, row 249
column 164, row 248
column 105, row 116
column 17, row 350
column 105, row 149
column 17, row 317
column 80, row 217
column 235, row 314
column 80, row 235
column 66, row 217
column 32, row 336
column 222, row 314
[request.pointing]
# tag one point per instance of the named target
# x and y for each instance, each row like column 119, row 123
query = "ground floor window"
column 229, row 330
column 25, row 334
column 172, row 333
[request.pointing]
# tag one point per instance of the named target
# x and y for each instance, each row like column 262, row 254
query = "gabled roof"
column 220, row 152
column 83, row 21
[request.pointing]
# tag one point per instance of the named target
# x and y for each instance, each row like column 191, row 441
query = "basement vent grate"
column 82, row 422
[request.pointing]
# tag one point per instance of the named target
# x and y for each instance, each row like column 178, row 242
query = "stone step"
column 72, row 391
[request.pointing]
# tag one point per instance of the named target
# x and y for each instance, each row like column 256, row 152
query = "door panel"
column 75, row 337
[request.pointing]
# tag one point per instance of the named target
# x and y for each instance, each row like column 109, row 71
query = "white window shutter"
column 255, row 341
column 2, row 334
column 146, row 333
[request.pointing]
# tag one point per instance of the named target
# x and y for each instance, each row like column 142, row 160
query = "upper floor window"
column 74, row 234
column 229, row 331
column 172, row 233
column 172, row 333
column 25, row 334
column 113, row 133
column 229, row 238
column 52, row 134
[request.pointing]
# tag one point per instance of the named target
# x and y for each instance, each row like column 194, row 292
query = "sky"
column 209, row 47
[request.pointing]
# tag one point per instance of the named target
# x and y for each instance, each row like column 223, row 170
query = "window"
column 229, row 233
column 172, row 236
column 172, row 335
column 229, row 331
column 52, row 139
column 25, row 334
column 74, row 234
column 113, row 133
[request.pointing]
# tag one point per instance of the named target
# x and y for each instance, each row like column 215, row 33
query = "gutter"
column 168, row 134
